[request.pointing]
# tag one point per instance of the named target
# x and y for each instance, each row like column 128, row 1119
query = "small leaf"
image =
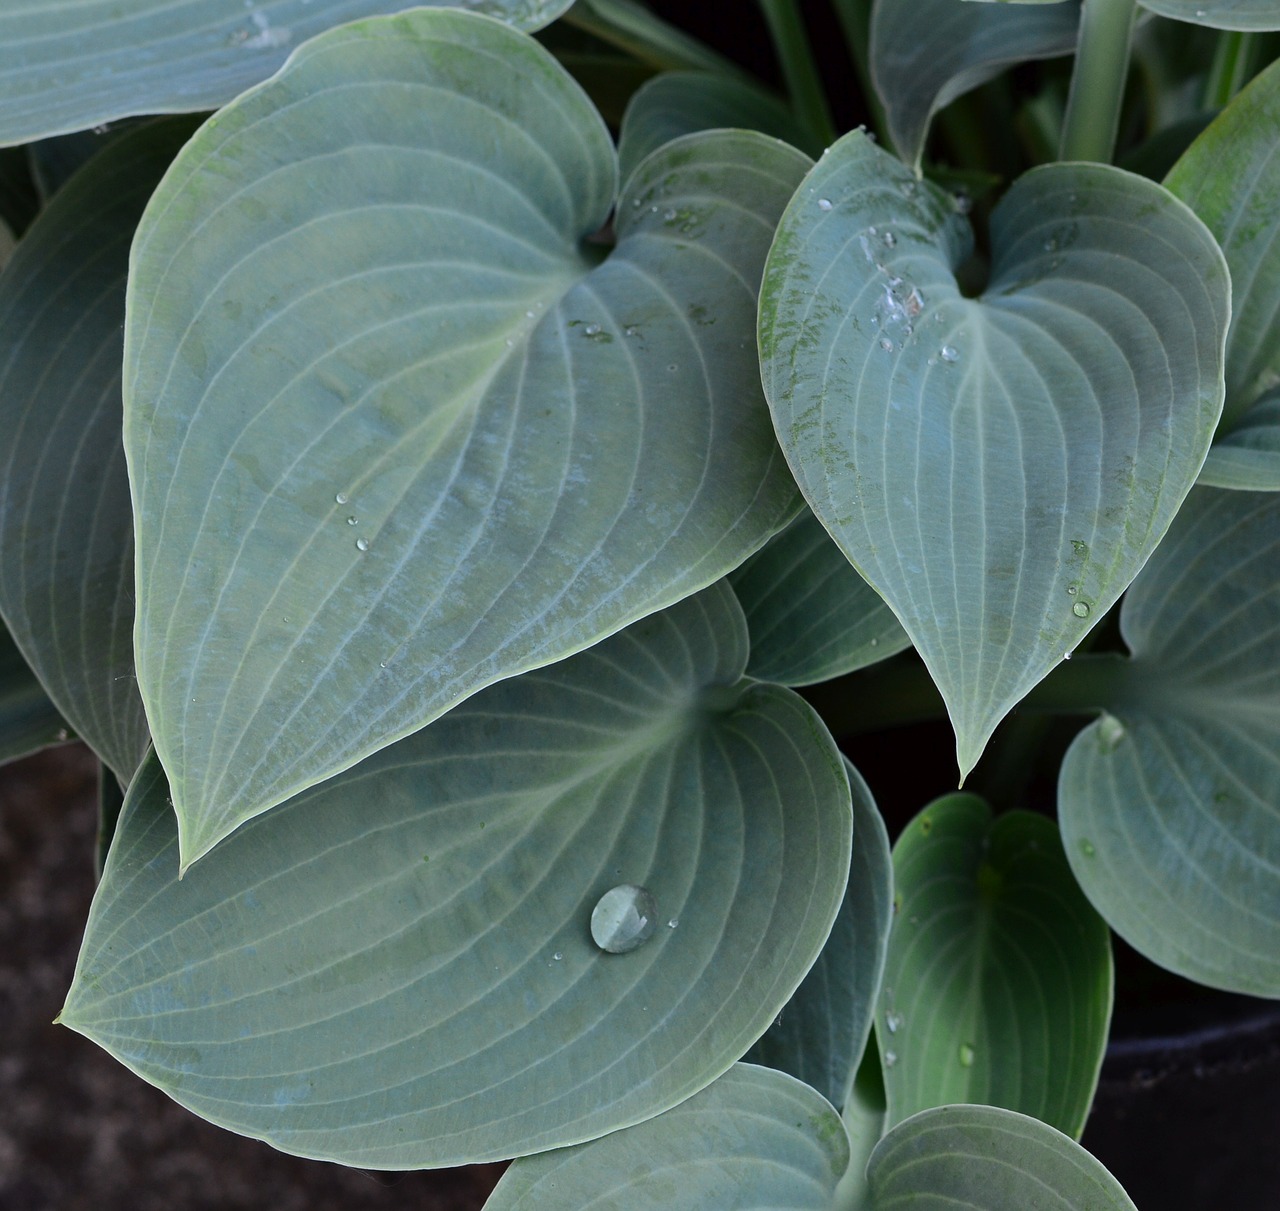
column 1249, row 456
column 69, row 67
column 811, row 616
column 396, row 431
column 982, row 1158
column 28, row 720
column 1170, row 803
column 1219, row 14
column 396, row 969
column 822, row 1033
column 998, row 468
column 997, row 986
column 66, row 522
column 926, row 53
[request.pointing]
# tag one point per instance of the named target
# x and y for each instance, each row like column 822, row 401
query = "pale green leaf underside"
column 926, row 53
column 679, row 103
column 396, row 968
column 997, row 987
column 1230, row 176
column 998, row 468
column 982, row 1158
column 72, row 64
column 1170, row 807
column 822, row 1033
column 28, row 720
column 811, row 616
column 66, row 524
column 1220, row 14
column 755, row 1140
column 393, row 433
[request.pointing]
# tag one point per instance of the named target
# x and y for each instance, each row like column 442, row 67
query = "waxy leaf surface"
column 396, row 428
column 811, row 616
column 1219, row 14
column 72, row 64
column 998, row 467
column 397, row 969
column 28, row 720
column 997, row 987
column 1170, row 803
column 755, row 1140
column 66, row 524
column 926, row 53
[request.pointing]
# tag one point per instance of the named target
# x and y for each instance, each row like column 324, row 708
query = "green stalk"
column 1098, row 80
column 645, row 36
column 791, row 43
column 1230, row 68
column 1082, row 686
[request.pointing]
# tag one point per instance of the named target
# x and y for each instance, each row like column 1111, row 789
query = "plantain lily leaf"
column 756, row 1140
column 68, row 67
column 395, row 430
column 983, row 1158
column 66, row 524
column 811, row 616
column 1219, row 14
column 998, row 468
column 397, row 969
column 28, row 720
column 821, row 1035
column 1169, row 803
column 865, row 1118
column 926, row 53
column 682, row 102
column 1230, row 176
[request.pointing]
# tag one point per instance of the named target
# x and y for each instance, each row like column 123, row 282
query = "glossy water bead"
column 624, row 917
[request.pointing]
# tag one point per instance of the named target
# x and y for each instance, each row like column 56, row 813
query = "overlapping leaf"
column 1170, row 805
column 72, row 64
column 1219, row 14
column 997, row 467
column 28, row 720
column 997, row 986
column 822, row 1033
column 395, row 429
column 925, row 53
column 1230, row 176
column 66, row 524
column 811, row 616
column 396, row 969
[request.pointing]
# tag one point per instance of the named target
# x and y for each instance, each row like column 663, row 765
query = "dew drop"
column 966, row 1055
column 362, row 544
column 893, row 1021
column 353, row 521
column 669, row 215
column 1067, row 655
column 631, row 330
column 1110, row 733
column 592, row 329
column 824, row 203
column 890, row 1058
column 624, row 918
column 558, row 956
column 886, row 344
column 1072, row 590
column 342, row 498
column 890, row 240
column 673, row 922
column 948, row 353
column 528, row 315
column 1086, row 847
column 1080, row 609
column 672, row 367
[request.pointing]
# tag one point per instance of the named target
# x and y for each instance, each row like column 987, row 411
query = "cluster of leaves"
column 481, row 490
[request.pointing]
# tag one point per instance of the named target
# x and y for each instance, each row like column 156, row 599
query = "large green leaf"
column 1220, row 14
column 1230, row 176
column 811, row 616
column 983, row 1158
column 395, row 429
column 925, row 53
column 28, row 720
column 397, row 969
column 756, row 1140
column 999, row 467
column 66, row 524
column 1170, row 805
column 998, row 983
column 68, row 66
column 821, row 1035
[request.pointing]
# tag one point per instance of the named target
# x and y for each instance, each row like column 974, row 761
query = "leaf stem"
column 649, row 39
column 1098, row 80
column 791, row 43
column 1083, row 686
column 1230, row 68
column 855, row 20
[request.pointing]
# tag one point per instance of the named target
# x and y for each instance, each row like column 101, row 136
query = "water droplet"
column 948, row 353
column 635, row 203
column 558, row 956
column 966, row 1055
column 1066, row 655
column 631, row 330
column 510, row 344
column 672, row 367
column 886, row 344
column 62, row 731
column 1079, row 547
column 592, row 329
column 1072, row 590
column 623, row 919
column 890, row 1058
column 893, row 1021
column 824, row 203
column 342, row 498
column 1110, row 733
column 353, row 521
column 673, row 922
column 875, row 643
column 528, row 315
column 1086, row 847
column 362, row 544
column 669, row 215
column 1051, row 245
column 1081, row 609
column 890, row 240
column 962, row 202
column 908, row 188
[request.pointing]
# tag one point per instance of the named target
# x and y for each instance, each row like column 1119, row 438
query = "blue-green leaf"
column 28, row 720
column 1219, row 14
column 999, row 467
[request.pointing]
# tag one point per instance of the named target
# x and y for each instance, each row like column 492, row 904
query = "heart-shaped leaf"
column 821, row 1035
column 66, row 523
column 68, row 67
column 926, row 53
column 999, row 467
column 811, row 616
column 397, row 968
column 756, row 1140
column 1219, row 14
column 28, row 720
column 998, row 983
column 395, row 430
column 1170, row 805
column 1230, row 176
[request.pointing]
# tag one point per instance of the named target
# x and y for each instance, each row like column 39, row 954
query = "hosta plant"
column 437, row 442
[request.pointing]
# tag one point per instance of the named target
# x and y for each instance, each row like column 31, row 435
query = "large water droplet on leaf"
column 624, row 918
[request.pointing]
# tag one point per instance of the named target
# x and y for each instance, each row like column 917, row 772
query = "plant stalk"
column 791, row 43
column 1098, row 80
column 1082, row 686
column 855, row 20
column 1230, row 68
